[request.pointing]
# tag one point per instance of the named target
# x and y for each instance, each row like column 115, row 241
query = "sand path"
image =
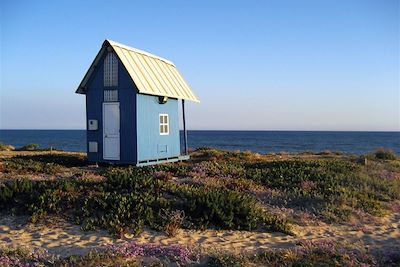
column 65, row 239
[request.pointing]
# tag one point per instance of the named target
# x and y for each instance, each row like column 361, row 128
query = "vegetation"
column 29, row 147
column 222, row 192
column 307, row 253
column 333, row 189
column 42, row 163
column 130, row 199
column 216, row 189
column 382, row 154
column 4, row 147
column 225, row 209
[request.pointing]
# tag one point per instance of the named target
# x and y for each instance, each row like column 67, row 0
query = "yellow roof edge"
column 113, row 43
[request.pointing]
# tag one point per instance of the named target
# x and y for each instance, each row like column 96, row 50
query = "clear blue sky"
column 256, row 65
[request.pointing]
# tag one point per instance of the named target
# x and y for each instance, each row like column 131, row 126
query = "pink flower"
column 175, row 253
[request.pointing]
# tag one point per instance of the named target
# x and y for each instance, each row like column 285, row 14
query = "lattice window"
column 164, row 124
column 110, row 95
column 111, row 70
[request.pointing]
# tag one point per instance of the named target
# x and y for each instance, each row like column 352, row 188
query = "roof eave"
column 82, row 86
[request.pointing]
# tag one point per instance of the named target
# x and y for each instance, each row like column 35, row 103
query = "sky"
column 255, row 65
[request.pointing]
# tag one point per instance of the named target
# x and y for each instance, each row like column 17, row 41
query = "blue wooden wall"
column 140, row 138
column 150, row 144
column 94, row 110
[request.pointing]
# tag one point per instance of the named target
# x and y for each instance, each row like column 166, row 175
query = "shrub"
column 222, row 209
column 29, row 147
column 4, row 147
column 21, row 165
column 217, row 169
column 132, row 178
column 130, row 200
column 44, row 163
column 62, row 159
column 289, row 174
column 37, row 198
column 118, row 212
column 225, row 209
column 173, row 220
column 176, row 169
column 384, row 154
column 332, row 189
column 16, row 193
column 226, row 260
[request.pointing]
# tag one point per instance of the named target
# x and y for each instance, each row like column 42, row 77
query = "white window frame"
column 162, row 123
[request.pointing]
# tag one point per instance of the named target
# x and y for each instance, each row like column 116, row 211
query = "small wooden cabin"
column 132, row 102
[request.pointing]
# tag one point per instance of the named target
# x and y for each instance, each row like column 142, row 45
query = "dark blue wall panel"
column 94, row 109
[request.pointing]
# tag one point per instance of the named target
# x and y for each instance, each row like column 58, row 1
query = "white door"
column 111, row 140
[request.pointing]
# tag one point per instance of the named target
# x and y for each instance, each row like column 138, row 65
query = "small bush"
column 29, row 147
column 130, row 199
column 173, row 221
column 385, row 154
column 4, row 147
column 225, row 209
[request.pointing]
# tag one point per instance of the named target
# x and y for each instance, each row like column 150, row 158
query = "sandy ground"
column 64, row 239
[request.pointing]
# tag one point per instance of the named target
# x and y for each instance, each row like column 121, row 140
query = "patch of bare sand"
column 64, row 239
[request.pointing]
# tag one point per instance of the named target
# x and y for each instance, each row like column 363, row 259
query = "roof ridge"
column 113, row 43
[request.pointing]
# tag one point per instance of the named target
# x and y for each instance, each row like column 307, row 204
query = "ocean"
column 255, row 141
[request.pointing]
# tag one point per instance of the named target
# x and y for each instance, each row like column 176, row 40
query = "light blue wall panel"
column 150, row 144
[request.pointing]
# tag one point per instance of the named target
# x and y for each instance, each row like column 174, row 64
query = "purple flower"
column 175, row 253
column 163, row 175
column 198, row 170
column 6, row 261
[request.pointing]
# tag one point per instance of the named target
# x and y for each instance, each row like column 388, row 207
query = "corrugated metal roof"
column 152, row 75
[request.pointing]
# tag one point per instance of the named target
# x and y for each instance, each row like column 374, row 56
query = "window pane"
column 166, row 119
column 161, row 119
column 165, row 128
column 161, row 129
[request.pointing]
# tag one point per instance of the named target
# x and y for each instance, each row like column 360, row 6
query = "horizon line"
column 223, row 130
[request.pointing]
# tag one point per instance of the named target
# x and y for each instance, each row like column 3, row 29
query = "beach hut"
column 132, row 100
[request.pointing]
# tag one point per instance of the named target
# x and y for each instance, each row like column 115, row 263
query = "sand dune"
column 63, row 238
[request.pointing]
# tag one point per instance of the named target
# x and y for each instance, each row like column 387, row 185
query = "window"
column 110, row 96
column 111, row 70
column 164, row 124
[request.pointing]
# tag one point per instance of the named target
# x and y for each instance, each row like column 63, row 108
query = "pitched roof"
column 152, row 75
